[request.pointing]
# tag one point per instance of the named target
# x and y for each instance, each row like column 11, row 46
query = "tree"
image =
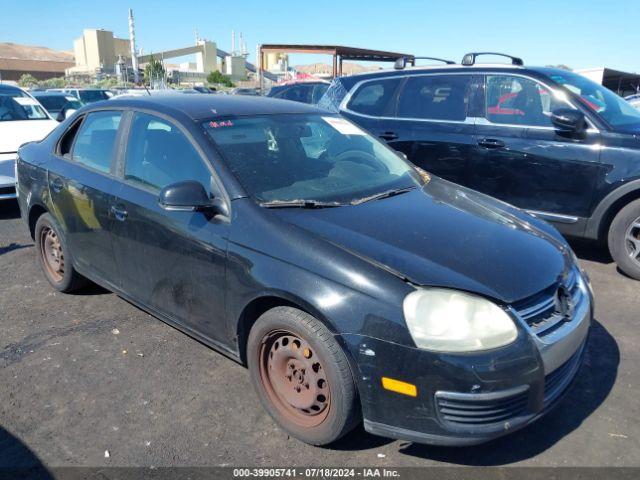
column 27, row 81
column 58, row 82
column 219, row 78
column 154, row 71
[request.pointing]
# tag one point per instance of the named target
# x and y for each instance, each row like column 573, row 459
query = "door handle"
column 57, row 184
column 491, row 143
column 119, row 213
column 388, row 136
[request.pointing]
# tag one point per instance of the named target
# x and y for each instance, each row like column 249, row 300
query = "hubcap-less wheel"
column 632, row 238
column 294, row 379
column 51, row 251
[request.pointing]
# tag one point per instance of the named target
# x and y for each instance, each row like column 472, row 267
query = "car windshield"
column 17, row 105
column 309, row 158
column 613, row 109
column 89, row 96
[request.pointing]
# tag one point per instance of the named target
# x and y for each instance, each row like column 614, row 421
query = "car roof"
column 200, row 107
column 46, row 93
column 476, row 68
column 10, row 88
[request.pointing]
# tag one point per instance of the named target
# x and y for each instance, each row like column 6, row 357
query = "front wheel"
column 624, row 239
column 302, row 376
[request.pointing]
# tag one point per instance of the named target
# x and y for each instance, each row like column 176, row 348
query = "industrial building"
column 41, row 62
column 623, row 83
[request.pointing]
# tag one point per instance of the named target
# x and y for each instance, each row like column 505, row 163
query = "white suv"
column 22, row 120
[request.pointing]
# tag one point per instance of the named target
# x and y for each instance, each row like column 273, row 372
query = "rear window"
column 375, row 97
column 96, row 139
column 437, row 97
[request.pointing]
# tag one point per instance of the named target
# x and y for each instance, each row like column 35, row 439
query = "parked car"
column 22, row 119
column 88, row 95
column 202, row 89
column 306, row 92
column 543, row 139
column 351, row 283
column 59, row 105
column 243, row 91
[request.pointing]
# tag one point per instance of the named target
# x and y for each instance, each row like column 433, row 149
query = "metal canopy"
column 338, row 52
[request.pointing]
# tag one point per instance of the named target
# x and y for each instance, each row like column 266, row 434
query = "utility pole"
column 132, row 41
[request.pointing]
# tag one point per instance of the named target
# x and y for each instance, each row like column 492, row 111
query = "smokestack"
column 132, row 41
column 233, row 42
column 241, row 44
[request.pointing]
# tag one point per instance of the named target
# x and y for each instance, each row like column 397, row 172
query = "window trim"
column 121, row 159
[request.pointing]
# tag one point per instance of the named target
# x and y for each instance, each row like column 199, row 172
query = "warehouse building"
column 41, row 62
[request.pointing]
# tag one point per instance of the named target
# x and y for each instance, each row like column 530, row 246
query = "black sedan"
column 352, row 284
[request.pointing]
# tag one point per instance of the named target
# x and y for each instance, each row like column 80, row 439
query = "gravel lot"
column 85, row 373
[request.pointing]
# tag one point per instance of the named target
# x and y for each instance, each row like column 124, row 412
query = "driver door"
column 170, row 261
column 520, row 157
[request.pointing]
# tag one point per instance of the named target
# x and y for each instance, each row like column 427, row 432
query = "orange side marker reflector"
column 399, row 387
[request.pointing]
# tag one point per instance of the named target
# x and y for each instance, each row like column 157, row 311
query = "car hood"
column 445, row 235
column 15, row 133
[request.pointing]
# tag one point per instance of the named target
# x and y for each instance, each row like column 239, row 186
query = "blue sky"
column 580, row 34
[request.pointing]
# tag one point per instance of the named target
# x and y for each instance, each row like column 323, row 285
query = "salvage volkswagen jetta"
column 353, row 285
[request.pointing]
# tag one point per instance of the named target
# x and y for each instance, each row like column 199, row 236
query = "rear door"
column 171, row 261
column 82, row 184
column 522, row 159
column 432, row 124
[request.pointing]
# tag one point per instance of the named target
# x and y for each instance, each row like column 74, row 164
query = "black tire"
column 622, row 246
column 66, row 278
column 341, row 412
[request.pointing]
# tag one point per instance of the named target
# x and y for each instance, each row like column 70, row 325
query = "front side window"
column 520, row 101
column 17, row 105
column 375, row 98
column 159, row 154
column 296, row 157
column 95, row 142
column 436, row 97
column 617, row 112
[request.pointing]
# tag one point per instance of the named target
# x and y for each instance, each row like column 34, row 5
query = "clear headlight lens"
column 453, row 321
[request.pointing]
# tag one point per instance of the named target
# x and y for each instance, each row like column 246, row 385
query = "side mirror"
column 567, row 120
column 187, row 196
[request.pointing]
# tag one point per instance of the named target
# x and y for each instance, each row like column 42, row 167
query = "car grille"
column 541, row 311
column 468, row 409
column 558, row 380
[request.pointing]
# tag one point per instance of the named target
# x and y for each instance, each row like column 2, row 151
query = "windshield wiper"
column 300, row 204
column 385, row 194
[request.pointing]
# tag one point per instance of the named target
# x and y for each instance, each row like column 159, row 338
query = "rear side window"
column 375, row 98
column 159, row 154
column 437, row 97
column 96, row 139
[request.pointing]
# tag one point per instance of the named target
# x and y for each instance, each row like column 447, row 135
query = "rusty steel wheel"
column 302, row 376
column 52, row 255
column 293, row 377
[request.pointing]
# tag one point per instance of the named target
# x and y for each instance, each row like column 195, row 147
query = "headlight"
column 453, row 321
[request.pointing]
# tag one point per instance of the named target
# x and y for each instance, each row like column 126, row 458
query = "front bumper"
column 470, row 398
column 7, row 176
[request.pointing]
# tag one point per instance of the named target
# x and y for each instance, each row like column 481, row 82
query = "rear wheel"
column 624, row 239
column 302, row 376
column 54, row 258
